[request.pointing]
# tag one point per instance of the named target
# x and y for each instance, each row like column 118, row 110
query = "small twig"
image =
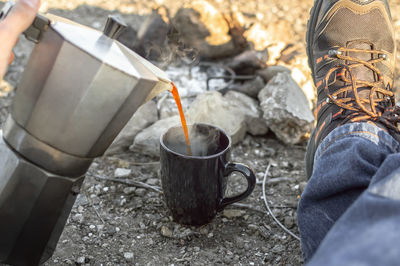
column 276, row 180
column 130, row 183
column 94, row 208
column 246, row 206
column 267, row 206
column 136, row 163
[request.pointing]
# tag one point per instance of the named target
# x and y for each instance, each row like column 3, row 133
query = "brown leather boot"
column 351, row 52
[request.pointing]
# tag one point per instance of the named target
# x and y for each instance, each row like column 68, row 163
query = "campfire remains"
column 242, row 78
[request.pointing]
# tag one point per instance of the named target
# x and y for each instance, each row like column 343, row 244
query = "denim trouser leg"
column 345, row 163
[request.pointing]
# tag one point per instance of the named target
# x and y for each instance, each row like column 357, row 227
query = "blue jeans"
column 349, row 213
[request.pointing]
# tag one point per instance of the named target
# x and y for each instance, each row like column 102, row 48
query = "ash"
column 191, row 81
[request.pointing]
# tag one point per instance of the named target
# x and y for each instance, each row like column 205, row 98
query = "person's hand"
column 19, row 19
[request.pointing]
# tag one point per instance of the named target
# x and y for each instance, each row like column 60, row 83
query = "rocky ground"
column 116, row 223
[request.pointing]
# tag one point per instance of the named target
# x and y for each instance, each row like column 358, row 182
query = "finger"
column 19, row 19
column 12, row 56
column 21, row 16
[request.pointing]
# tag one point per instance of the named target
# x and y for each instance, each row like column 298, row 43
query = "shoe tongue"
column 361, row 72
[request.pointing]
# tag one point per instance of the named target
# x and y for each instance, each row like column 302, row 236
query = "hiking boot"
column 351, row 53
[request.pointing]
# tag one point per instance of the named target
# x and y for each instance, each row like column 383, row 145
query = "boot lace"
column 379, row 106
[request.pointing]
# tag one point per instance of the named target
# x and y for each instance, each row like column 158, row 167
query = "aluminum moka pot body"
column 79, row 89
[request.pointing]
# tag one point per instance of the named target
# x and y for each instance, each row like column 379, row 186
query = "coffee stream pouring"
column 79, row 88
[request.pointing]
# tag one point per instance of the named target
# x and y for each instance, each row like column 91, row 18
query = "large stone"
column 142, row 118
column 228, row 113
column 212, row 108
column 268, row 73
column 244, row 105
column 167, row 106
column 247, row 63
column 148, row 140
column 202, row 27
column 250, row 88
column 286, row 109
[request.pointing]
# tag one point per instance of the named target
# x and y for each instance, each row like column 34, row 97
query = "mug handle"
column 251, row 182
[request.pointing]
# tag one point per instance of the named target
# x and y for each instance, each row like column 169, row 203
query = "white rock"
column 212, row 108
column 142, row 118
column 148, row 140
column 128, row 255
column 167, row 107
column 165, row 231
column 232, row 213
column 81, row 260
column 122, row 172
column 243, row 104
column 286, row 109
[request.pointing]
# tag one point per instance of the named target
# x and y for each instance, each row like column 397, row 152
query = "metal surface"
column 34, row 206
column 35, row 32
column 76, row 97
column 114, row 27
column 6, row 9
column 79, row 89
column 42, row 154
column 231, row 77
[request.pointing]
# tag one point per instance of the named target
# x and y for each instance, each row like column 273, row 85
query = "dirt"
column 119, row 224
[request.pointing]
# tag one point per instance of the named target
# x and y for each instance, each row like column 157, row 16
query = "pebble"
column 128, row 255
column 80, row 260
column 123, row 164
column 140, row 191
column 100, row 227
column 204, row 231
column 288, row 222
column 129, row 190
column 165, row 231
column 278, row 249
column 122, row 202
column 295, row 187
column 122, row 172
column 78, row 218
column 228, row 260
column 232, row 213
column 302, row 186
column 239, row 243
column 152, row 181
column 68, row 262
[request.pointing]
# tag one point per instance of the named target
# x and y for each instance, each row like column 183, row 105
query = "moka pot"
column 79, row 88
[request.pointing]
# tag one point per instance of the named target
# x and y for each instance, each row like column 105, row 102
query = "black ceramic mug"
column 194, row 185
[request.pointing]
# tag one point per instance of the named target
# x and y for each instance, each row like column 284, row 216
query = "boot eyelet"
column 383, row 56
column 334, row 53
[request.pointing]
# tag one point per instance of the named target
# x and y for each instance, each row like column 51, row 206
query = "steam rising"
column 204, row 140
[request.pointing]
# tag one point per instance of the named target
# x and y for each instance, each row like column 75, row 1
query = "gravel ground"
column 119, row 224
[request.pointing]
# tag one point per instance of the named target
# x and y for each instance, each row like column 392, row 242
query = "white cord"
column 269, row 210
